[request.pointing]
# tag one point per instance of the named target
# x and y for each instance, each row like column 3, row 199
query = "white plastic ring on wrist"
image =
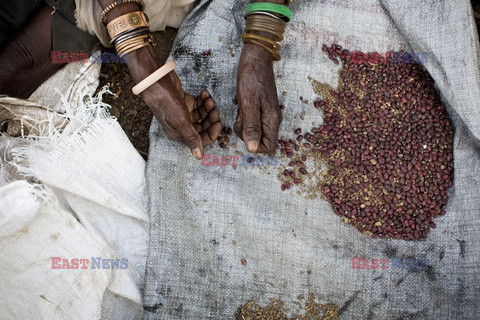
column 154, row 77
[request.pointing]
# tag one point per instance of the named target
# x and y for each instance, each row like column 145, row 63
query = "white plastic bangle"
column 154, row 77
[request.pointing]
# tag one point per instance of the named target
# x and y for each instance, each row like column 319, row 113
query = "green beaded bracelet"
column 271, row 7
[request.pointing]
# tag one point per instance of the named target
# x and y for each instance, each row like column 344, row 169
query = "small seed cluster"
column 387, row 142
column 224, row 138
column 276, row 311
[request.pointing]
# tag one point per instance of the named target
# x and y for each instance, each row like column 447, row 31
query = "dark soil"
column 132, row 113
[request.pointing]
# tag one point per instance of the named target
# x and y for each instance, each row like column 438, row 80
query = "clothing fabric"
column 13, row 14
column 66, row 36
column 162, row 13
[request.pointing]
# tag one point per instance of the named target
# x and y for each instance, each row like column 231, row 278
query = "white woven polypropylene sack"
column 73, row 189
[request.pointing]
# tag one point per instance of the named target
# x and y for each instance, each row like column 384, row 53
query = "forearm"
column 149, row 63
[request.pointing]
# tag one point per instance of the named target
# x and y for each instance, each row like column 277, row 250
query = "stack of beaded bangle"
column 129, row 32
column 270, row 18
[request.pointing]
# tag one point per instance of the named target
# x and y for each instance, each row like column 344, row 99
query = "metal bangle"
column 265, row 13
column 129, row 35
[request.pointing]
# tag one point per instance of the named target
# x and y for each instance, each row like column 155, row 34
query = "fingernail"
column 197, row 153
column 252, row 146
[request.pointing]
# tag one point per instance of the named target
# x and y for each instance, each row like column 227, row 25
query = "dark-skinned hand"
column 192, row 121
column 259, row 115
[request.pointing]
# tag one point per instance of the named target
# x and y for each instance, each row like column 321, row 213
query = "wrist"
column 142, row 62
column 253, row 52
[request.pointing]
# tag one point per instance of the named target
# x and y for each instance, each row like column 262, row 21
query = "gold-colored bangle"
column 127, row 22
column 266, row 24
column 254, row 28
column 130, row 45
column 253, row 36
column 123, row 53
column 275, row 55
column 134, row 44
column 113, row 5
column 129, row 41
column 278, row 23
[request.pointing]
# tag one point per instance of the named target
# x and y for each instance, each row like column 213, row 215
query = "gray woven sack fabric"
column 206, row 219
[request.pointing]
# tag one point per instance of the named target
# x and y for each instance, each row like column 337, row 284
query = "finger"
column 252, row 127
column 190, row 102
column 193, row 140
column 202, row 111
column 271, row 120
column 238, row 125
column 200, row 114
column 204, row 94
column 211, row 134
column 209, row 105
column 178, row 83
column 213, row 117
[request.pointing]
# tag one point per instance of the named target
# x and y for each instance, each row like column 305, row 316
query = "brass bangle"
column 277, row 37
column 127, row 22
column 134, row 44
column 113, row 5
column 278, row 34
column 253, row 36
column 275, row 55
column 266, row 18
column 131, row 41
column 126, row 42
column 264, row 13
column 130, row 45
column 123, row 53
column 266, row 24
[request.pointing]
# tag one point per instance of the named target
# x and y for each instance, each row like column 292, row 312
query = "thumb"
column 193, row 140
column 252, row 127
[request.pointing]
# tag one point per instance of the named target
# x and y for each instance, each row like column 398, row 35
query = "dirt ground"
column 132, row 113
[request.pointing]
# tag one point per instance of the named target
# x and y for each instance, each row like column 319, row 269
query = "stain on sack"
column 461, row 243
